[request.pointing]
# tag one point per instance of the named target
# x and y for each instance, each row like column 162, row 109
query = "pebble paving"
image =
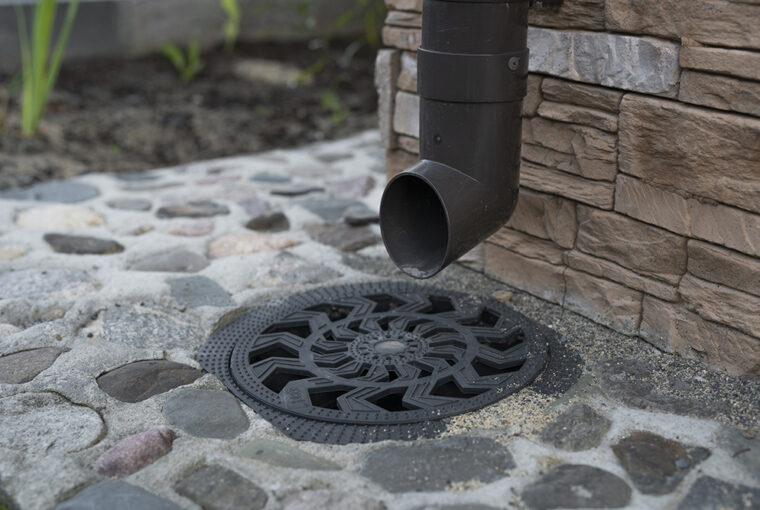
column 110, row 284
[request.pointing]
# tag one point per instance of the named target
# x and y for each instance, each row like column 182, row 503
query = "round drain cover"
column 374, row 361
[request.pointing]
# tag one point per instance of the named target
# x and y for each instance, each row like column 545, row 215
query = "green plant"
column 40, row 67
column 331, row 102
column 232, row 25
column 187, row 65
column 372, row 14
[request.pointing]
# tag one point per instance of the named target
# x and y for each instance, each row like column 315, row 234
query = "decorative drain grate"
column 369, row 362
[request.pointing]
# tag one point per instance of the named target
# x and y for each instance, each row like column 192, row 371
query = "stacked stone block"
column 640, row 199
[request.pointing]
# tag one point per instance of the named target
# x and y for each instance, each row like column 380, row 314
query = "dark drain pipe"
column 472, row 77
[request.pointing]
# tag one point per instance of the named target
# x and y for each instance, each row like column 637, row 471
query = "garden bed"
column 125, row 115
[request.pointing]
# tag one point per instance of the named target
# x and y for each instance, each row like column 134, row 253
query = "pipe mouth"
column 414, row 225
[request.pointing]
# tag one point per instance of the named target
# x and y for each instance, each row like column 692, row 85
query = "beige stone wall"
column 640, row 200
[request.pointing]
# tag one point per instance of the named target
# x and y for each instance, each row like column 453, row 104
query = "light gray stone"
column 57, row 283
column 195, row 291
column 218, row 488
column 334, row 500
column 386, row 74
column 276, row 453
column 629, row 63
column 206, row 413
column 744, row 450
column 406, row 118
column 271, row 177
column 578, row 428
column 289, row 269
column 176, row 260
column 435, row 465
column 65, row 192
column 41, row 424
column 576, row 486
column 330, row 210
column 709, row 493
column 115, row 495
column 150, row 326
column 254, row 206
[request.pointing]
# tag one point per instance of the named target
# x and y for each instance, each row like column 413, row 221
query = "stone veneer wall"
column 640, row 200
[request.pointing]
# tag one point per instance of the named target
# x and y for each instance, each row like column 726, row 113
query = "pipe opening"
column 414, row 226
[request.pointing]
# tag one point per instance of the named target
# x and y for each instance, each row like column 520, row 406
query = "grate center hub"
column 389, row 347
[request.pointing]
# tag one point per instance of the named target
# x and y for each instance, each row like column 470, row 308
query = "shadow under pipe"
column 472, row 78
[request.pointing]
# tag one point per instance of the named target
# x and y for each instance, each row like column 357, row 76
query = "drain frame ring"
column 225, row 354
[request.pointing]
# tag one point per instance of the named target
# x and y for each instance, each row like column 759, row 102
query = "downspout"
column 472, row 77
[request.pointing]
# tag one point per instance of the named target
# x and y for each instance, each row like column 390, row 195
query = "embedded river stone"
column 151, row 326
column 743, row 449
column 254, row 206
column 271, row 177
column 195, row 291
column 178, row 260
column 276, row 453
column 133, row 453
column 22, row 367
column 344, row 237
column 657, row 465
column 65, row 192
column 578, row 428
column 269, row 222
column 191, row 228
column 360, row 215
column 463, row 506
column 353, row 186
column 141, row 380
column 82, row 245
column 116, row 495
column 330, row 210
column 295, row 190
column 576, row 486
column 195, row 209
column 436, row 465
column 334, row 500
column 289, row 269
column 130, row 204
column 49, row 284
column 59, row 217
column 218, row 488
column 709, row 493
column 41, row 424
column 247, row 243
column 206, row 413
column 12, row 251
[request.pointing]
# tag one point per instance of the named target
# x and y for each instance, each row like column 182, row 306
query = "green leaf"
column 175, row 56
column 60, row 48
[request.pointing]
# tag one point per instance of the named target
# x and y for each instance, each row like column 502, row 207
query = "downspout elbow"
column 472, row 73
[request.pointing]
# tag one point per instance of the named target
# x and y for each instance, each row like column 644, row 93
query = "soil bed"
column 126, row 115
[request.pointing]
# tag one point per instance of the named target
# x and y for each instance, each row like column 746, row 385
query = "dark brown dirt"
column 135, row 114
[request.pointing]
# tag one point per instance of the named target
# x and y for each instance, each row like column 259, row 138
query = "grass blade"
column 44, row 16
column 27, row 92
column 60, row 48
